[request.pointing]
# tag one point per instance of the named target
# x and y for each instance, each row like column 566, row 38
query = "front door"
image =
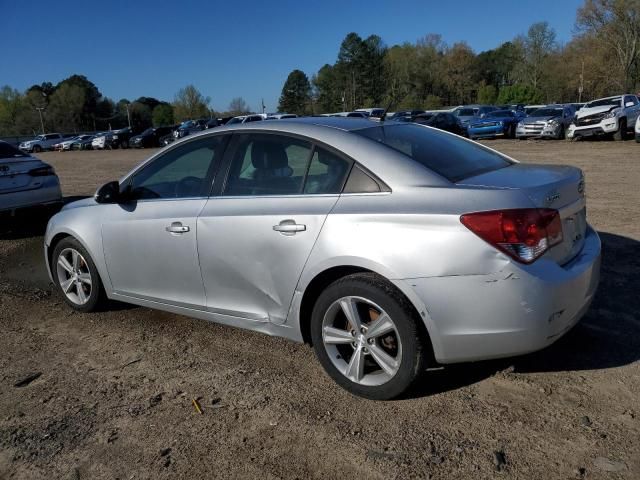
column 255, row 237
column 150, row 242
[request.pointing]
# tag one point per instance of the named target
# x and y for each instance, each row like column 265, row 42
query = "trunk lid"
column 547, row 186
column 14, row 173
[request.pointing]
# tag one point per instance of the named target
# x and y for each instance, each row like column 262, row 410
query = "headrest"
column 267, row 155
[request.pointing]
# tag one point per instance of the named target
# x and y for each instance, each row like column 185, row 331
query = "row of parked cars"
column 616, row 116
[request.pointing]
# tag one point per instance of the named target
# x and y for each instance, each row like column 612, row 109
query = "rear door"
column 255, row 236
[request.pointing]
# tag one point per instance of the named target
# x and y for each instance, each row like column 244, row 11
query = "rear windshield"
column 9, row 151
column 448, row 155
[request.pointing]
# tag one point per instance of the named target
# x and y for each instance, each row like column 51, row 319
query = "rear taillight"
column 524, row 233
column 42, row 171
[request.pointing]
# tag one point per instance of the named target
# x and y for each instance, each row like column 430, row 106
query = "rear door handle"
column 177, row 228
column 289, row 227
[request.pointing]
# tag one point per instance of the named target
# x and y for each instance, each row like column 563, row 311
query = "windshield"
column 500, row 113
column 148, row 131
column 465, row 112
column 448, row 155
column 9, row 151
column 547, row 112
column 234, row 120
column 605, row 102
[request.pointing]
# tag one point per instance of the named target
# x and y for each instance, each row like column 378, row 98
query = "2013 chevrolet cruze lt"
column 385, row 245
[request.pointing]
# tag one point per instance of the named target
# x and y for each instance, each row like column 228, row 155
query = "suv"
column 606, row 116
column 41, row 142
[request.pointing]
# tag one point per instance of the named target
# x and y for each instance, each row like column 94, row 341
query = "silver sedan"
column 389, row 247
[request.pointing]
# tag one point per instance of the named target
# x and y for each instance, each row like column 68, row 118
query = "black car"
column 150, row 137
column 120, row 138
column 442, row 121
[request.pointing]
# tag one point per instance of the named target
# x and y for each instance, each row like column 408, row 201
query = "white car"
column 638, row 129
column 606, row 116
column 26, row 181
column 100, row 141
column 257, row 117
column 41, row 142
column 67, row 144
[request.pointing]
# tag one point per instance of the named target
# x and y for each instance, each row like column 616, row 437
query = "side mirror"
column 108, row 193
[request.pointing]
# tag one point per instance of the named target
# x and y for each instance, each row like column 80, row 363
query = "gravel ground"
column 111, row 395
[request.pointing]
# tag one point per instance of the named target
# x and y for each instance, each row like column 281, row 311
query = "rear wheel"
column 76, row 275
column 367, row 337
column 621, row 134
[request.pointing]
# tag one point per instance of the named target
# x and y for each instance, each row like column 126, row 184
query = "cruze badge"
column 552, row 197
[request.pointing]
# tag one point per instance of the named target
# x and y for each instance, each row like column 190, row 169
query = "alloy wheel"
column 362, row 341
column 74, row 276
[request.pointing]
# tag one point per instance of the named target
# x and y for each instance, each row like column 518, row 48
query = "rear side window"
column 326, row 172
column 447, row 155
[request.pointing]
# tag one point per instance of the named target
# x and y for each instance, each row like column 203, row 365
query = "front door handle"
column 289, row 227
column 177, row 228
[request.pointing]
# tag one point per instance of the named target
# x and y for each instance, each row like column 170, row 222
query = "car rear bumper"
column 515, row 311
column 48, row 194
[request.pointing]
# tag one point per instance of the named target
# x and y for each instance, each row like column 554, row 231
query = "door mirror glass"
column 108, row 193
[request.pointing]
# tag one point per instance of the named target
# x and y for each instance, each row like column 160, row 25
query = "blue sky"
column 234, row 48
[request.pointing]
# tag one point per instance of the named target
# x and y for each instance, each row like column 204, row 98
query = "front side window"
column 182, row 172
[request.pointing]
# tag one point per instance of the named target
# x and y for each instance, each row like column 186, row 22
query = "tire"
column 37, row 149
column 400, row 345
column 124, row 144
column 621, row 134
column 561, row 133
column 92, row 295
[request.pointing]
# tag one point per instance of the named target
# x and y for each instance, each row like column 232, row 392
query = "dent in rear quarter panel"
column 415, row 233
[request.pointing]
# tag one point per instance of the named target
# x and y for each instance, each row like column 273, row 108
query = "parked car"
column 471, row 113
column 276, row 227
column 26, row 181
column 441, row 120
column 403, row 114
column 350, row 114
column 120, row 138
column 638, row 129
column 84, row 143
column 547, row 122
column 499, row 123
column 258, row 117
column 41, row 142
column 613, row 116
column 150, row 137
column 529, row 109
column 101, row 140
column 280, row 116
column 372, row 113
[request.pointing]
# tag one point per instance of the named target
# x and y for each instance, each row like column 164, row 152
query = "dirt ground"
column 109, row 395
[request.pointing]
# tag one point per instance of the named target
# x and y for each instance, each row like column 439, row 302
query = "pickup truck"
column 41, row 142
column 614, row 116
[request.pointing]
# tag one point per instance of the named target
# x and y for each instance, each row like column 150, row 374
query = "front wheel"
column 367, row 337
column 76, row 275
column 621, row 134
column 37, row 149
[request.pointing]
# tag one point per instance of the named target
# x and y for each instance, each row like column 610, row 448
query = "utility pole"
column 263, row 107
column 128, row 114
column 581, row 86
column 40, row 109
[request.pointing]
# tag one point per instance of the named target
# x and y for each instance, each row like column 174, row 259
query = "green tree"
column 11, row 103
column 296, row 94
column 66, row 110
column 487, row 94
column 519, row 94
column 238, row 106
column 162, row 115
column 190, row 104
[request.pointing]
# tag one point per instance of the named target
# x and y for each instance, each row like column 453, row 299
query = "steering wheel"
column 187, row 187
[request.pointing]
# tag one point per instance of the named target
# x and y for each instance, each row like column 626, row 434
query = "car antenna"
column 394, row 101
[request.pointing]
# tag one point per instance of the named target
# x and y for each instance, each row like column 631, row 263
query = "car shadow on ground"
column 607, row 337
column 31, row 222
